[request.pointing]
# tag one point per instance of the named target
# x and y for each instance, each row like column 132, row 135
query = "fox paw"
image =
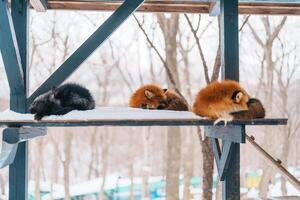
column 38, row 117
column 224, row 119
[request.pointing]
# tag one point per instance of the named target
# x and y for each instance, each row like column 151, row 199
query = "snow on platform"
column 120, row 116
column 104, row 113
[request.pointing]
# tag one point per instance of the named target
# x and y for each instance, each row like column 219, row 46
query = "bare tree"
column 285, row 74
column 268, row 65
column 208, row 158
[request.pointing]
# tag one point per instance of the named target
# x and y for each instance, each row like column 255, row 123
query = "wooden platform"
column 182, row 6
column 122, row 116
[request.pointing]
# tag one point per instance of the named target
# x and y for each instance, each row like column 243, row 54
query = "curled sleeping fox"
column 225, row 101
column 152, row 96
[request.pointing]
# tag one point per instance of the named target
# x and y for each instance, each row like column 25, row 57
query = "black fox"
column 61, row 100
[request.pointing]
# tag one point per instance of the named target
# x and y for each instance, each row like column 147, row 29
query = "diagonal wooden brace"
column 88, row 47
column 229, row 136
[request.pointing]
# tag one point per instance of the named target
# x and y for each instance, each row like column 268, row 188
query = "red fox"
column 219, row 99
column 255, row 110
column 152, row 96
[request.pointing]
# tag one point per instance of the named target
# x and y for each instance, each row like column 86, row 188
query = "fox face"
column 154, row 101
column 149, row 96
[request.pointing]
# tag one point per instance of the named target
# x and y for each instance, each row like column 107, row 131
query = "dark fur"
column 255, row 110
column 174, row 102
column 61, row 100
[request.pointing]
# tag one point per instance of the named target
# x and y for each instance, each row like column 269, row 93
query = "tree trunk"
column 188, row 156
column 38, row 164
column 2, row 185
column 105, row 150
column 66, row 164
column 269, row 65
column 208, row 169
column 145, row 189
column 131, row 174
column 169, row 27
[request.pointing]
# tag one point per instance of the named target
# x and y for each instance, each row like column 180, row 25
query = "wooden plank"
column 88, row 47
column 275, row 163
column 260, row 8
column 16, row 135
column 227, row 133
column 39, row 5
column 126, row 122
column 158, row 6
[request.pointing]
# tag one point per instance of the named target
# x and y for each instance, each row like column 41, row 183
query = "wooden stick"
column 275, row 162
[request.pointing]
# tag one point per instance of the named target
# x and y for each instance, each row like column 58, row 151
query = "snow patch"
column 105, row 113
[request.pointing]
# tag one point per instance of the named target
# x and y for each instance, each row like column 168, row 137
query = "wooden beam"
column 10, row 51
column 134, row 122
column 229, row 133
column 18, row 170
column 230, row 70
column 269, row 159
column 88, row 47
column 157, row 6
column 16, row 135
column 39, row 5
column 214, row 8
column 259, row 8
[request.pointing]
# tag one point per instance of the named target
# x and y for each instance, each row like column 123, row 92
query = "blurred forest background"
column 158, row 162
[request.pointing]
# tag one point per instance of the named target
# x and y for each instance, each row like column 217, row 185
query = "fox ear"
column 149, row 94
column 54, row 90
column 165, row 89
column 238, row 97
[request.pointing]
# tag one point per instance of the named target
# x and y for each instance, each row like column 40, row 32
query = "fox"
column 149, row 96
column 152, row 96
column 219, row 99
column 255, row 110
column 61, row 100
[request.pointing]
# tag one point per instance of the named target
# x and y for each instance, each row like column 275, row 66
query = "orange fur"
column 175, row 102
column 139, row 100
column 216, row 99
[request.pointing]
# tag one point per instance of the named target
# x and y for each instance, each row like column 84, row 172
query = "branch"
column 217, row 65
column 244, row 23
column 256, row 37
column 278, row 29
column 169, row 73
column 199, row 48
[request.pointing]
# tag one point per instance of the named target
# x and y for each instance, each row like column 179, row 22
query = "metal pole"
column 18, row 171
column 230, row 70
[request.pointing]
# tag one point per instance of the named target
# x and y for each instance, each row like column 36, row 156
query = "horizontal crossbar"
column 245, row 7
column 141, row 122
